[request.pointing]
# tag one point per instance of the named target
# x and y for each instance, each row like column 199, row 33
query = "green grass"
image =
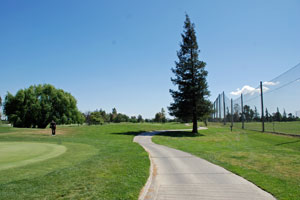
column 277, row 127
column 270, row 161
column 16, row 154
column 101, row 162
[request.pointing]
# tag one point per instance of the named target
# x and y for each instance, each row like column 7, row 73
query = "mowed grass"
column 270, row 161
column 15, row 154
column 276, row 127
column 100, row 162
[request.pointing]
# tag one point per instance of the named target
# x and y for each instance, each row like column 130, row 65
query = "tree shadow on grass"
column 163, row 133
column 134, row 133
column 180, row 134
column 287, row 143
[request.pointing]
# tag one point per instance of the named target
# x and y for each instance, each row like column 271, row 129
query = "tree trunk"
column 195, row 125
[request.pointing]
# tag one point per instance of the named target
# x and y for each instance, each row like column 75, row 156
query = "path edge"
column 146, row 187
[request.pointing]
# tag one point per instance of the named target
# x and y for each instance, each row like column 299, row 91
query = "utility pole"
column 262, row 107
column 242, row 111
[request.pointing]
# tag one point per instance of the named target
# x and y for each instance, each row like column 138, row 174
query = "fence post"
column 224, row 108
column 243, row 126
column 262, row 107
column 231, row 114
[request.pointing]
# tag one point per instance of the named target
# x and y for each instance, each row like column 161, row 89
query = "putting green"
column 16, row 154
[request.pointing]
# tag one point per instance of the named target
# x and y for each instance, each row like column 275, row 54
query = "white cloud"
column 248, row 90
column 270, row 83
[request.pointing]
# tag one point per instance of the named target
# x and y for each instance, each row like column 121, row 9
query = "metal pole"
column 224, row 108
column 220, row 115
column 262, row 107
column 214, row 110
column 242, row 111
column 217, row 109
column 231, row 114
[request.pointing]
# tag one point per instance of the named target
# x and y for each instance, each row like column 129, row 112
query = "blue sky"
column 120, row 53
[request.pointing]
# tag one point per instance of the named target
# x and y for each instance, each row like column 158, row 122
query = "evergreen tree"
column 140, row 119
column 113, row 115
column 247, row 113
column 267, row 115
column 256, row 115
column 277, row 116
column 160, row 116
column 190, row 101
column 228, row 115
column 284, row 117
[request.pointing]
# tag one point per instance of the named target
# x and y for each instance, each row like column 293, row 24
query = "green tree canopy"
column 37, row 105
column 190, row 100
column 140, row 119
column 160, row 116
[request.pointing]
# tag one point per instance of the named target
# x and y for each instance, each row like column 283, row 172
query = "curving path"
column 179, row 175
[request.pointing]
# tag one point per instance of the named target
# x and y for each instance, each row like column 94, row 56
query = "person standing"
column 53, row 127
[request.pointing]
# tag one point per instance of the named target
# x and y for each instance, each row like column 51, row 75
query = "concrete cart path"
column 179, row 175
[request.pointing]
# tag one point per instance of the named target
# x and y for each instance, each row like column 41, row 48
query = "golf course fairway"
column 16, row 154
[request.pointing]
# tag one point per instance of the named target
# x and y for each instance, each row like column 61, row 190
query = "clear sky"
column 120, row 53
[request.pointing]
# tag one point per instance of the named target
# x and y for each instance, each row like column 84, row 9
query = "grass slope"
column 270, row 161
column 101, row 162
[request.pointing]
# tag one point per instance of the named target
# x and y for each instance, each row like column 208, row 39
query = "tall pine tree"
column 190, row 100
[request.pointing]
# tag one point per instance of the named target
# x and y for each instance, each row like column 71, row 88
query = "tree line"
column 252, row 115
column 99, row 117
column 38, row 105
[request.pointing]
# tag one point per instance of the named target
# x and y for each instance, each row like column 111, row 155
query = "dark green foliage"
column 160, row 117
column 100, row 117
column 140, row 119
column 284, row 117
column 267, row 117
column 37, row 105
column 190, row 100
column 277, row 116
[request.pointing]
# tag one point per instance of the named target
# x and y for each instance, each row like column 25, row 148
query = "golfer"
column 53, row 127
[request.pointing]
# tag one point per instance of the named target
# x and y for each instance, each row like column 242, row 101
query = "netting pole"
column 217, row 108
column 262, row 107
column 231, row 114
column 243, row 126
column 220, row 115
column 224, row 108
column 215, row 111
